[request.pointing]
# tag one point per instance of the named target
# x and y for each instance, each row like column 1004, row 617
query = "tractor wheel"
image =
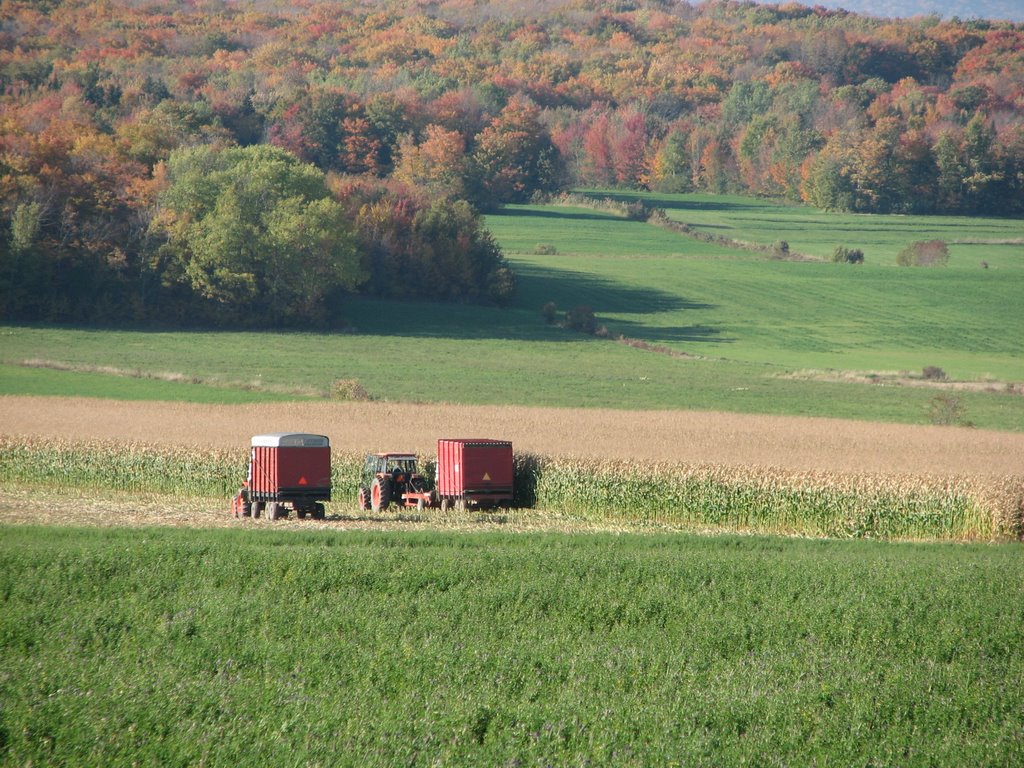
column 257, row 509
column 380, row 495
column 364, row 498
column 273, row 510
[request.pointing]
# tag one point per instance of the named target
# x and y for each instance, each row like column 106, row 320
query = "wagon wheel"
column 445, row 503
column 273, row 510
column 380, row 494
column 318, row 511
column 257, row 509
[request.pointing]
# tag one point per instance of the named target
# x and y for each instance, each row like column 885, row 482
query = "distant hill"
column 1002, row 10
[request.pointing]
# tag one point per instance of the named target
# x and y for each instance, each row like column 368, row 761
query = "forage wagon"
column 286, row 470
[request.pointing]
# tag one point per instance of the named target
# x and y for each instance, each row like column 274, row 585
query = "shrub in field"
column 349, row 390
column 549, row 312
column 934, row 373
column 924, row 253
column 581, row 318
column 844, row 255
column 947, row 410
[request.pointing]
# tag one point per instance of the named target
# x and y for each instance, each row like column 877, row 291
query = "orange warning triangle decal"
column 303, row 480
column 487, row 476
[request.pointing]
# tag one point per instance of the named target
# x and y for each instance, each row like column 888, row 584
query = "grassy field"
column 749, row 334
column 245, row 647
column 972, row 240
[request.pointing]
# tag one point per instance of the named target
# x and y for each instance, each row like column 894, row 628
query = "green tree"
column 254, row 231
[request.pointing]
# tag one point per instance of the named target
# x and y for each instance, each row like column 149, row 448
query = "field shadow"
column 666, row 333
column 568, row 288
column 575, row 214
column 523, row 321
column 675, row 204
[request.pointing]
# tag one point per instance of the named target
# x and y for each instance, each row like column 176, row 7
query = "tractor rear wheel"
column 364, row 497
column 380, row 494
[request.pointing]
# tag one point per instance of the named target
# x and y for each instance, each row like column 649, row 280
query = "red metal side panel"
column 449, row 461
column 474, row 467
column 303, row 468
column 297, row 468
column 263, row 469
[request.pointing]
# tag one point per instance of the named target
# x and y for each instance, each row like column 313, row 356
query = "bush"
column 581, row 318
column 934, row 373
column 947, row 410
column 844, row 255
column 638, row 210
column 549, row 311
column 780, row 249
column 349, row 390
column 545, row 249
column 924, row 253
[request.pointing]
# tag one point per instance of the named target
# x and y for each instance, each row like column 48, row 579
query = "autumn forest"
column 252, row 163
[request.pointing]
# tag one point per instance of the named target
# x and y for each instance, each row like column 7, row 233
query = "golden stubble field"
column 733, row 440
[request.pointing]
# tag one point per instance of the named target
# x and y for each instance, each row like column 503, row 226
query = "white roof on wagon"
column 290, row 440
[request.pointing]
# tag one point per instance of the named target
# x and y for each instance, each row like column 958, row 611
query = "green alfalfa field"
column 321, row 646
column 243, row 647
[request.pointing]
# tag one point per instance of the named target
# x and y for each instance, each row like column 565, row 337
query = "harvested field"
column 20, row 505
column 583, row 469
column 730, row 440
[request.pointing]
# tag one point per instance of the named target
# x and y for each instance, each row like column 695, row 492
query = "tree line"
column 256, row 162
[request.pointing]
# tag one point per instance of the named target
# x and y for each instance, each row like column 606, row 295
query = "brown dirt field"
column 791, row 443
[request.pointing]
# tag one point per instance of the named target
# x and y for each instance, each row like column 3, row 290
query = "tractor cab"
column 394, row 477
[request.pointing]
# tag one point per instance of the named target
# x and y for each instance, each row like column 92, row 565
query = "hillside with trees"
column 253, row 162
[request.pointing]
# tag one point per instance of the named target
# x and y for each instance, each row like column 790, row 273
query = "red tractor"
column 393, row 477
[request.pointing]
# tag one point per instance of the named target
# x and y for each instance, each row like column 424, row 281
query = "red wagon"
column 474, row 472
column 286, row 470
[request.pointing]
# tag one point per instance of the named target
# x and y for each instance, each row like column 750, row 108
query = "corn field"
column 699, row 496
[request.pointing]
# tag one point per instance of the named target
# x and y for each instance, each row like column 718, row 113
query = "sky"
column 1008, row 10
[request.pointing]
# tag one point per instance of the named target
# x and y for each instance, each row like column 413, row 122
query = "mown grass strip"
column 751, row 499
